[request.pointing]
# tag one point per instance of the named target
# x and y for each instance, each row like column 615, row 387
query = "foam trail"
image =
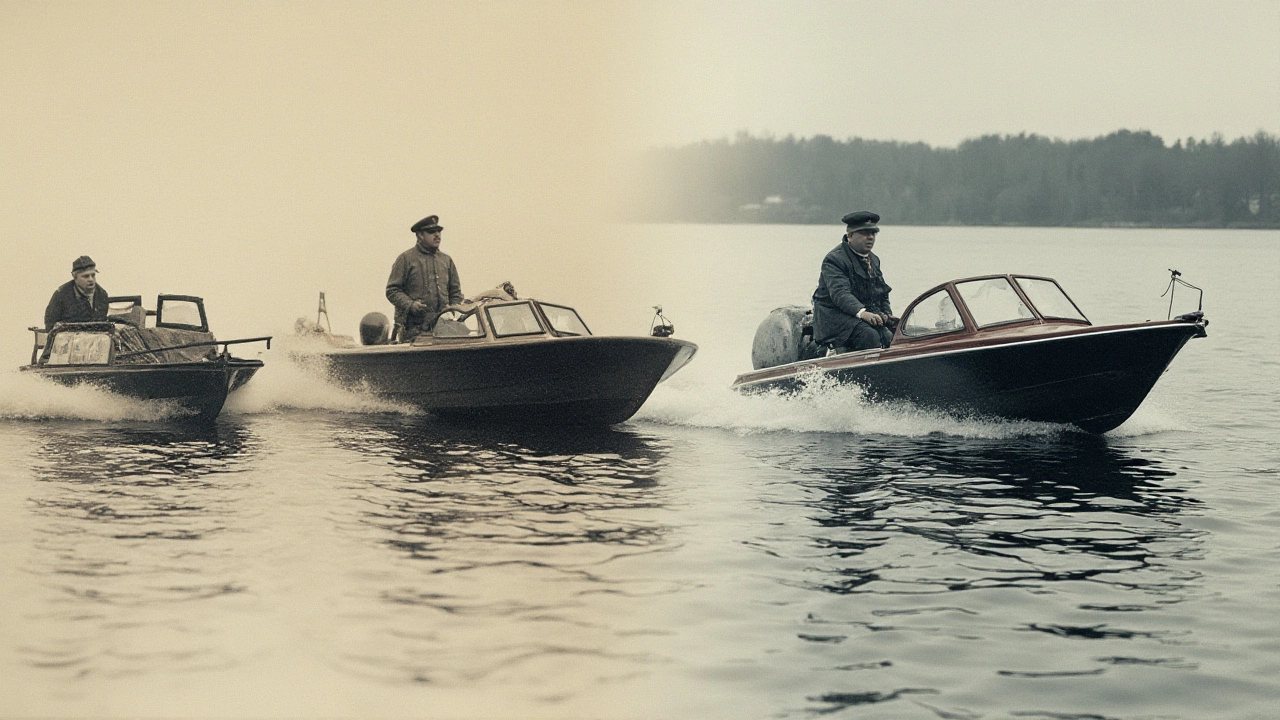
column 823, row 406
column 24, row 396
column 290, row 380
column 294, row 378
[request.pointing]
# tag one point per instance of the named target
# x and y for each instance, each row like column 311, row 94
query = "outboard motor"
column 785, row 336
column 375, row 329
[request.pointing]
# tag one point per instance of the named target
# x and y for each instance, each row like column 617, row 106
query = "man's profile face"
column 429, row 239
column 86, row 280
column 862, row 240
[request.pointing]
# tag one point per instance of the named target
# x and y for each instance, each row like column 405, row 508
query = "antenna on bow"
column 661, row 326
column 1175, row 279
column 322, row 310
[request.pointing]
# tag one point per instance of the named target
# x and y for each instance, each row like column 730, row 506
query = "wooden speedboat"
column 1007, row 346
column 499, row 357
column 172, row 359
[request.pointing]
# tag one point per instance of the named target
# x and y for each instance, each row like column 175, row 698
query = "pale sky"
column 282, row 147
column 940, row 72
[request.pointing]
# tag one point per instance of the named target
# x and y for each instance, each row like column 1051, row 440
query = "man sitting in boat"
column 851, row 305
column 80, row 299
column 423, row 282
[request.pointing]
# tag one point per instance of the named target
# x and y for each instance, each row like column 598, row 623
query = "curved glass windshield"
column 934, row 315
column 508, row 320
column 1049, row 299
column 993, row 301
column 564, row 320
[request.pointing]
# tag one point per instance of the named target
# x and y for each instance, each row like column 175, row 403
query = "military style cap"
column 428, row 223
column 861, row 219
column 84, row 262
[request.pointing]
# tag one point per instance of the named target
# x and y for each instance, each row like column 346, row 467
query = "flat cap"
column 429, row 223
column 860, row 219
column 84, row 262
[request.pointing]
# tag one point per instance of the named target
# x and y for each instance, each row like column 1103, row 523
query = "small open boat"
column 499, row 357
column 1008, row 346
column 173, row 358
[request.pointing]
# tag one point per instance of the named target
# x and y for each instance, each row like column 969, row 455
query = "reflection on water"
column 130, row 521
column 1074, row 509
column 528, row 488
column 530, row 573
column 1027, row 545
column 510, row 528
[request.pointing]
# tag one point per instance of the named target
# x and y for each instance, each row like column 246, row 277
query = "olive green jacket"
column 427, row 276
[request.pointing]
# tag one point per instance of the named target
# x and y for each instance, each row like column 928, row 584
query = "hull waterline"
column 199, row 389
column 569, row 380
column 1092, row 378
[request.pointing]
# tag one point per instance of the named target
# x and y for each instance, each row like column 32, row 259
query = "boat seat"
column 450, row 328
column 136, row 316
column 42, row 337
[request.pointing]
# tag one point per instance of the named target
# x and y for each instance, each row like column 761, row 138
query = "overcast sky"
column 241, row 144
column 940, row 72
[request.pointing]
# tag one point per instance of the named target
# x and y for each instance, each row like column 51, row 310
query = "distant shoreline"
column 1081, row 226
column 1125, row 179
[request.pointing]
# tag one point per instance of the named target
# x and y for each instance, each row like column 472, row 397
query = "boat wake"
column 829, row 407
column 294, row 378
column 286, row 383
column 24, row 396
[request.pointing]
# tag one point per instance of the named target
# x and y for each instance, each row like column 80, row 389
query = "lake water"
column 324, row 554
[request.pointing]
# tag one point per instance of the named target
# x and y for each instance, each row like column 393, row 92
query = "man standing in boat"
column 80, row 299
column 423, row 282
column 851, row 305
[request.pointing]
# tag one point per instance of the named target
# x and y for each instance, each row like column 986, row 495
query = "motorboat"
column 165, row 355
column 1003, row 346
column 499, row 357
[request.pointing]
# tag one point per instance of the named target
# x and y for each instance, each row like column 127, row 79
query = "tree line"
column 1126, row 178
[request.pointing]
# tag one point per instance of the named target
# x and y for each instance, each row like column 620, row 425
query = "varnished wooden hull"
column 1093, row 378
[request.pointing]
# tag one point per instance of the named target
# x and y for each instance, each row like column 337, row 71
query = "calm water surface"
column 323, row 554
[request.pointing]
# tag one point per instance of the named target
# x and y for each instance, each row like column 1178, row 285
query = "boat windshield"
column 564, row 320
column 934, row 315
column 1049, row 299
column 993, row 301
column 518, row 319
column 80, row 348
column 128, row 310
column 181, row 313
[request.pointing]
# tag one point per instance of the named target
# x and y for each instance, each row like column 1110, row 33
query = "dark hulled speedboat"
column 499, row 357
column 1007, row 346
column 173, row 359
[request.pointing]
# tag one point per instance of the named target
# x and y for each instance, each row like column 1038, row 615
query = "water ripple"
column 131, row 521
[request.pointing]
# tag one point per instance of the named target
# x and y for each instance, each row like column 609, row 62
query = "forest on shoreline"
column 1127, row 178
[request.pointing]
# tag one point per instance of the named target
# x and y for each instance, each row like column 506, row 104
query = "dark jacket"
column 428, row 277
column 844, row 288
column 68, row 305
